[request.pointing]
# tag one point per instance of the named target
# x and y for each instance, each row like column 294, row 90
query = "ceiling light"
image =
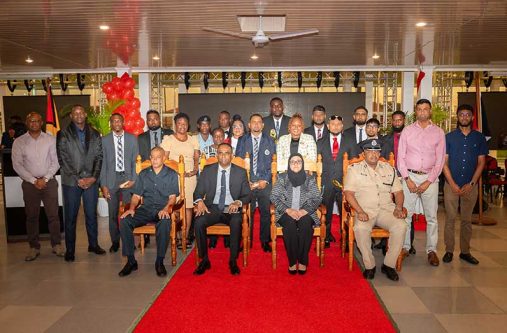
column 254, row 57
column 103, row 27
column 375, row 56
column 29, row 60
column 156, row 58
column 421, row 24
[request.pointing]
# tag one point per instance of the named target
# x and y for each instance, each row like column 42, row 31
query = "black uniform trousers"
column 260, row 198
column 330, row 196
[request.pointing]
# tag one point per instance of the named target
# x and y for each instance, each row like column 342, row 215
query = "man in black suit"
column 392, row 139
column 222, row 189
column 332, row 147
column 358, row 130
column 276, row 124
column 261, row 149
column 318, row 129
column 224, row 122
column 153, row 136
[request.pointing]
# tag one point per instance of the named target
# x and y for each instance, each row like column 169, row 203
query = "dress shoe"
column 203, row 266
column 468, row 258
column 412, row 250
column 327, row 244
column 160, row 269
column 390, row 273
column 128, row 268
column 293, row 271
column 433, row 259
column 302, row 271
column 97, row 250
column 69, row 257
column 58, row 250
column 114, row 247
column 212, row 243
column 32, row 254
column 369, row 274
column 331, row 238
column 234, row 268
column 266, row 247
column 447, row 257
column 146, row 240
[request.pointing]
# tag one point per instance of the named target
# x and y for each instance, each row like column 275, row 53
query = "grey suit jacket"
column 108, row 171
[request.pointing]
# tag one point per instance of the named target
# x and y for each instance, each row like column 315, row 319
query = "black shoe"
column 447, row 258
column 114, row 247
column 331, row 238
column 146, row 240
column 97, row 250
column 266, row 247
column 203, row 266
column 412, row 250
column 234, row 268
column 160, row 269
column 293, row 272
column 227, row 242
column 468, row 258
column 327, row 244
column 128, row 268
column 369, row 274
column 212, row 242
column 69, row 257
column 302, row 272
column 390, row 273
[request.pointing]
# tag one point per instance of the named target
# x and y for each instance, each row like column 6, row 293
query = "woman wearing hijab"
column 296, row 198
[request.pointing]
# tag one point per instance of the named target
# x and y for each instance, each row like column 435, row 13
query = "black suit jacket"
column 143, row 141
column 333, row 169
column 207, row 184
column 269, row 124
column 311, row 130
column 387, row 145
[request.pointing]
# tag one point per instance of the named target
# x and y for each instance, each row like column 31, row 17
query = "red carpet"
column 260, row 299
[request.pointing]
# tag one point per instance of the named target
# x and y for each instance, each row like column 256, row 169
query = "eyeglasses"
column 372, row 125
column 296, row 162
column 336, row 117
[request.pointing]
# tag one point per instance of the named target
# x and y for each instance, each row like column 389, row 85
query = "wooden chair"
column 221, row 229
column 177, row 211
column 348, row 213
column 318, row 231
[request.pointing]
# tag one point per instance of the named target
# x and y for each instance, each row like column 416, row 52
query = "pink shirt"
column 421, row 149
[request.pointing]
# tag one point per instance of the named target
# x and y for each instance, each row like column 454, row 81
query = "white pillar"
column 407, row 92
column 145, row 93
column 122, row 68
column 426, row 86
column 369, row 97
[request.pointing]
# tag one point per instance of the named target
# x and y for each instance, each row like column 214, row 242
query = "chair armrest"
column 271, row 209
column 178, row 204
column 323, row 209
column 244, row 208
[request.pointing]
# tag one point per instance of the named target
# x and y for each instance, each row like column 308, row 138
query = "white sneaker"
column 58, row 250
column 32, row 255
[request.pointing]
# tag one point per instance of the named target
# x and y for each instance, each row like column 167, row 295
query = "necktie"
column 336, row 147
column 255, row 155
column 119, row 154
column 221, row 200
column 319, row 134
column 155, row 139
column 360, row 135
column 277, row 127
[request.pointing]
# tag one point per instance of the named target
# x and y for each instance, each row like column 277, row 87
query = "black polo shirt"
column 156, row 189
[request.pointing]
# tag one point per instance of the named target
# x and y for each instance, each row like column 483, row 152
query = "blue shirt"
column 204, row 143
column 463, row 152
column 156, row 189
column 81, row 134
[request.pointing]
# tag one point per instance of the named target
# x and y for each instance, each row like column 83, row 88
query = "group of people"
column 379, row 193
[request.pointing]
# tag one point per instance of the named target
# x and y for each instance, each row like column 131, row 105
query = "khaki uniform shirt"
column 373, row 188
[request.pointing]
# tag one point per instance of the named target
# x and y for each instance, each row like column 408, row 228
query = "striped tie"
column 255, row 155
column 277, row 128
column 119, row 154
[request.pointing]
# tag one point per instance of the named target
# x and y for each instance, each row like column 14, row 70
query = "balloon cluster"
column 122, row 88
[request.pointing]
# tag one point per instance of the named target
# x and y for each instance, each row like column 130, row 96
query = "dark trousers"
column 143, row 216
column 330, row 196
column 260, row 198
column 71, row 202
column 213, row 217
column 49, row 197
column 114, row 206
column 297, row 238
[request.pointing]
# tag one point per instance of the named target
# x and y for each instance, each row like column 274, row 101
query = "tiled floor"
column 49, row 295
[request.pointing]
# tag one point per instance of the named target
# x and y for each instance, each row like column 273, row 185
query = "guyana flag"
column 52, row 123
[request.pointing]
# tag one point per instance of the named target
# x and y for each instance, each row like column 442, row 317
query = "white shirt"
column 316, row 129
column 363, row 133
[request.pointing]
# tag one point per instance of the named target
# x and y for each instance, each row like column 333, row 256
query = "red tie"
column 336, row 147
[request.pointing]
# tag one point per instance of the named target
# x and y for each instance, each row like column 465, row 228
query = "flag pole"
column 480, row 219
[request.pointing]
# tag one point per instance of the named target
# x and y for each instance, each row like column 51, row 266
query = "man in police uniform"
column 369, row 186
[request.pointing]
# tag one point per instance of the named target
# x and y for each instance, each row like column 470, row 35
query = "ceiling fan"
column 260, row 38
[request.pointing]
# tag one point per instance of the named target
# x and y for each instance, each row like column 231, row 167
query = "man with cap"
column 204, row 136
column 368, row 187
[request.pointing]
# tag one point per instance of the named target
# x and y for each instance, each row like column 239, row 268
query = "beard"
column 465, row 124
column 153, row 128
column 320, row 123
column 398, row 129
column 360, row 123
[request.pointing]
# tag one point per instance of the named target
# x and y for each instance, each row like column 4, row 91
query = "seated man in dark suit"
column 158, row 187
column 221, row 191
column 332, row 147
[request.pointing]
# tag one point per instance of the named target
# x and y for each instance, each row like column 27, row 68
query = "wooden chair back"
column 310, row 166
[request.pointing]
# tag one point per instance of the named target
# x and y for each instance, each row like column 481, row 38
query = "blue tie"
column 221, row 201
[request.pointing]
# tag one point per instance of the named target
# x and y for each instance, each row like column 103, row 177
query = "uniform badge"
column 266, row 152
column 374, row 143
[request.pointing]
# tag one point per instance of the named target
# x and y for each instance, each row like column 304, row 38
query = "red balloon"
column 139, row 123
column 128, row 94
column 129, row 83
column 138, row 131
column 116, row 82
column 125, row 75
column 136, row 103
column 129, row 125
column 107, row 88
column 121, row 110
column 113, row 96
column 133, row 114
